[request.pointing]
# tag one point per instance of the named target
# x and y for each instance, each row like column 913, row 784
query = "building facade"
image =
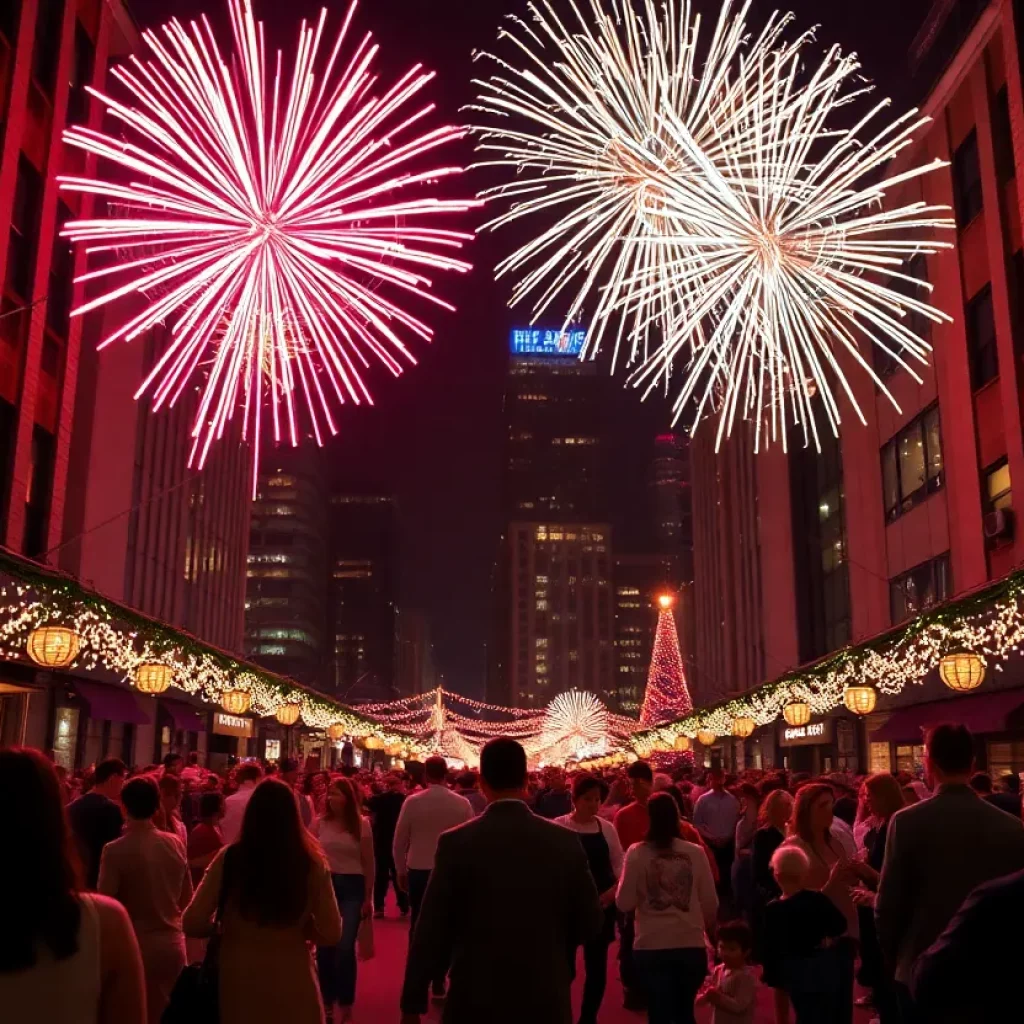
column 799, row 555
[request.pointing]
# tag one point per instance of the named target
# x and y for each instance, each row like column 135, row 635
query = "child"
column 733, row 988
column 800, row 930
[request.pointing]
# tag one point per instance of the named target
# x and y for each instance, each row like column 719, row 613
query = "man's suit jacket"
column 936, row 852
column 967, row 973
column 509, row 899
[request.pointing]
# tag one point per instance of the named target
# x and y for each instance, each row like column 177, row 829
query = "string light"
column 667, row 696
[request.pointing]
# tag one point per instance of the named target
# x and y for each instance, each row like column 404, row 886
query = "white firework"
column 575, row 725
column 708, row 211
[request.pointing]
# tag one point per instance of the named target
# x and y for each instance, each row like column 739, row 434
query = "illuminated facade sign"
column 821, row 731
column 537, row 341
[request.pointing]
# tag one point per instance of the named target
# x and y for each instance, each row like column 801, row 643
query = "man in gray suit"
column 938, row 851
column 509, row 900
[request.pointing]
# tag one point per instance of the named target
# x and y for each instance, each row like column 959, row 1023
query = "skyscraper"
column 363, row 599
column 672, row 504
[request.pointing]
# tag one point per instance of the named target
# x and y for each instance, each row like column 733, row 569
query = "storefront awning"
column 184, row 716
column 111, row 704
column 982, row 713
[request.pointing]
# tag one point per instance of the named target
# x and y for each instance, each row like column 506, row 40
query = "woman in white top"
column 347, row 842
column 66, row 957
column 668, row 883
column 604, row 855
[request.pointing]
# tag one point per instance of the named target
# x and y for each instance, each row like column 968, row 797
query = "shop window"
column 967, row 195
column 981, row 339
column 998, row 494
column 879, row 758
column 1005, row 758
column 912, row 466
column 923, row 587
column 910, row 758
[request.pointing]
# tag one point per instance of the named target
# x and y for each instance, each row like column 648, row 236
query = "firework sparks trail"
column 279, row 219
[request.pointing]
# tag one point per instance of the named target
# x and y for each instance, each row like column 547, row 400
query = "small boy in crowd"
column 732, row 990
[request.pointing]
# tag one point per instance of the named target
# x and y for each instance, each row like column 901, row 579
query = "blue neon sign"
column 530, row 341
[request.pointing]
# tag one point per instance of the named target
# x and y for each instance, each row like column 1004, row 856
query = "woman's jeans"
column 337, row 964
column 673, row 978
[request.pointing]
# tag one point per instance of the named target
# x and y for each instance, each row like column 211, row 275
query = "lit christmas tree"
column 667, row 696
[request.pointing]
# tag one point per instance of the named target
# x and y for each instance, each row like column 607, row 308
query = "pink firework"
column 276, row 218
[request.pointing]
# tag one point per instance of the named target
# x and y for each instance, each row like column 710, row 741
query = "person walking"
column 169, row 812
column 66, row 956
column 146, row 871
column 422, row 819
column 715, row 815
column 247, row 777
column 509, row 895
column 667, row 883
column 275, row 888
column 604, row 856
column 555, row 800
column 466, row 785
column 384, row 810
column 96, row 817
column 936, row 853
column 289, row 774
column 347, row 841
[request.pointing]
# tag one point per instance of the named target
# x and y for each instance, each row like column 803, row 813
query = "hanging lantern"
column 706, row 738
column 743, row 727
column 53, row 646
column 335, row 732
column 797, row 713
column 374, row 743
column 153, row 678
column 963, row 671
column 235, row 702
column 393, row 749
column 287, row 714
column 860, row 700
column 681, row 742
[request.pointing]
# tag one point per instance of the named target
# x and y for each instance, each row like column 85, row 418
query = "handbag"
column 195, row 998
column 364, row 939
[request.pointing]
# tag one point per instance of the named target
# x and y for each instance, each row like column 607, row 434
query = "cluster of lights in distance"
column 710, row 210
column 279, row 218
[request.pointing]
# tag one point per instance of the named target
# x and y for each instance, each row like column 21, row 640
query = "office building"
column 672, row 503
column 363, row 601
column 286, row 623
column 415, row 669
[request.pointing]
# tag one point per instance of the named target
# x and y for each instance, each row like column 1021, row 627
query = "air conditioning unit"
column 999, row 524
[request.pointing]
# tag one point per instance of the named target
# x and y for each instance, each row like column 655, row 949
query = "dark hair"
column 107, row 769
column 677, row 794
column 350, row 819
column 248, row 773
column 751, row 792
column 40, row 870
column 288, row 764
column 806, row 796
column 981, row 783
column 140, row 797
column 467, row 780
column 503, row 764
column 210, row 804
column 640, row 770
column 664, row 826
column 737, row 931
column 170, row 759
column 169, row 784
column 435, row 768
column 272, row 860
column 951, row 749
column 1011, row 782
column 583, row 784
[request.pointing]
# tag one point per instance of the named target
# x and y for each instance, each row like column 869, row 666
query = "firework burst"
column 708, row 212
column 280, row 219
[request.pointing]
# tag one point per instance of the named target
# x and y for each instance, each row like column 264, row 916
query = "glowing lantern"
column 53, row 646
column 153, row 678
column 374, row 743
column 287, row 714
column 797, row 713
column 743, row 727
column 335, row 732
column 962, row 671
column 682, row 742
column 860, row 700
column 393, row 749
column 706, row 738
column 235, row 702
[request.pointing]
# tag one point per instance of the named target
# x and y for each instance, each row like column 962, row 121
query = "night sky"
column 434, row 436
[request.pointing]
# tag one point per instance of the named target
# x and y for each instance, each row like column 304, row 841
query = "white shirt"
column 672, row 893
column 422, row 819
column 843, row 835
column 716, row 814
column 343, row 851
column 234, row 812
column 611, row 837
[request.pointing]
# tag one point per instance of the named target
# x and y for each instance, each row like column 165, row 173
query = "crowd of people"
column 713, row 886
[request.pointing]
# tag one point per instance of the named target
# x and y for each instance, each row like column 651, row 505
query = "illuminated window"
column 998, row 493
column 912, row 466
column 542, row 606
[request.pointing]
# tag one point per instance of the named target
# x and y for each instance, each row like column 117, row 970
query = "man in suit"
column 965, row 974
column 939, row 850
column 509, row 900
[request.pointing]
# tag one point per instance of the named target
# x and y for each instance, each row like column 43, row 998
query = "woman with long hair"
column 347, row 841
column 66, row 956
column 667, row 882
column 276, row 894
column 618, row 796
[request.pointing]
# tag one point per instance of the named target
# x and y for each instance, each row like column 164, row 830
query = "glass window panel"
column 890, row 479
column 910, row 448
column 997, row 486
column 933, row 444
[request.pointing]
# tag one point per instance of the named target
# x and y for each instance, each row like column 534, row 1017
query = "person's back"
column 511, row 895
column 234, row 806
column 96, row 819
